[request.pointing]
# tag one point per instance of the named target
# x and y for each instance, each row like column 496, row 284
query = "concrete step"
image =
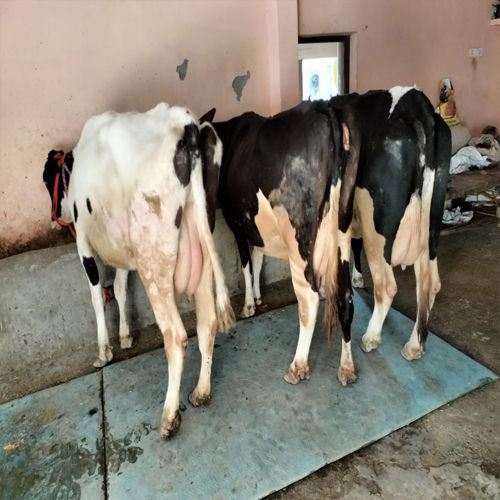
column 47, row 323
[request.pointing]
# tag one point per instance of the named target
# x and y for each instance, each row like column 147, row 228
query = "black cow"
column 286, row 186
column 399, row 198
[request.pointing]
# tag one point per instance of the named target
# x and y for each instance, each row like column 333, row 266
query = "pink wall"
column 63, row 61
column 419, row 42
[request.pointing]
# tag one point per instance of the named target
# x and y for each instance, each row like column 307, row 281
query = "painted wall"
column 403, row 42
column 63, row 61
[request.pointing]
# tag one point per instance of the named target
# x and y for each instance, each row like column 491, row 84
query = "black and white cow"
column 286, row 187
column 398, row 204
column 133, row 187
column 399, row 200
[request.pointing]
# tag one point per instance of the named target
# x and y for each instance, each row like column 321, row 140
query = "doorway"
column 324, row 66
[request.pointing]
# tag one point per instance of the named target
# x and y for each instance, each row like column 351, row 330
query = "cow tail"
column 338, row 290
column 330, row 281
column 330, row 286
column 225, row 314
column 442, row 152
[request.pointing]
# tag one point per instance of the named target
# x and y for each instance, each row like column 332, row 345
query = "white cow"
column 133, row 188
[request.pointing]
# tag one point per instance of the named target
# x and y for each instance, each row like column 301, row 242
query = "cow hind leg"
column 257, row 258
column 357, row 276
column 384, row 289
column 175, row 342
column 435, row 281
column 428, row 285
column 120, row 289
column 90, row 266
column 249, row 305
column 206, row 327
column 159, row 284
column 308, row 302
column 246, row 264
column 346, row 373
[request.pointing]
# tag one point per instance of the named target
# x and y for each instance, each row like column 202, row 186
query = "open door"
column 324, row 66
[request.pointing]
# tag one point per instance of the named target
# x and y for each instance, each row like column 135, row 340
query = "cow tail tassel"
column 225, row 315
column 331, row 291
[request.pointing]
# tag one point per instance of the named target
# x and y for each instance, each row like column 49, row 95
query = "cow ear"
column 211, row 151
column 208, row 116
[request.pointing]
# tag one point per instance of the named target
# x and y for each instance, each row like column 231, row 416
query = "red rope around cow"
column 55, row 196
column 107, row 291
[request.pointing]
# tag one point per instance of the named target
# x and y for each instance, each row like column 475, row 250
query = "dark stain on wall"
column 239, row 83
column 182, row 69
column 44, row 238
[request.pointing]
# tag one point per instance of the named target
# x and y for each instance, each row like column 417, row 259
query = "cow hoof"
column 126, row 342
column 248, row 310
column 346, row 375
column 411, row 352
column 199, row 399
column 169, row 428
column 297, row 372
column 258, row 301
column 105, row 356
column 370, row 343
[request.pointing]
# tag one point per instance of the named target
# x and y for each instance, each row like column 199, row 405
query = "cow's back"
column 398, row 149
column 287, row 158
column 124, row 180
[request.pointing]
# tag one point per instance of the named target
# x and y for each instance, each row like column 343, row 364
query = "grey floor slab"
column 260, row 434
column 51, row 443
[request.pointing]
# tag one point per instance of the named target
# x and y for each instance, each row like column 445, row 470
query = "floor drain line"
column 104, row 427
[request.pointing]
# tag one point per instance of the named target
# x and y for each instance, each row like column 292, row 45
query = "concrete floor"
column 454, row 452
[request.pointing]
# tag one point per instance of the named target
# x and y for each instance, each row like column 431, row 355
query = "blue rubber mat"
column 258, row 434
column 52, row 443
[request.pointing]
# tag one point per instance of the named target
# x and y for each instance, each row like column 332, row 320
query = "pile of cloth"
column 481, row 151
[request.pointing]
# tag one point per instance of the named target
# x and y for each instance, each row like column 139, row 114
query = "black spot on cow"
column 187, row 152
column 75, row 212
column 89, row 206
column 91, row 270
column 178, row 218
